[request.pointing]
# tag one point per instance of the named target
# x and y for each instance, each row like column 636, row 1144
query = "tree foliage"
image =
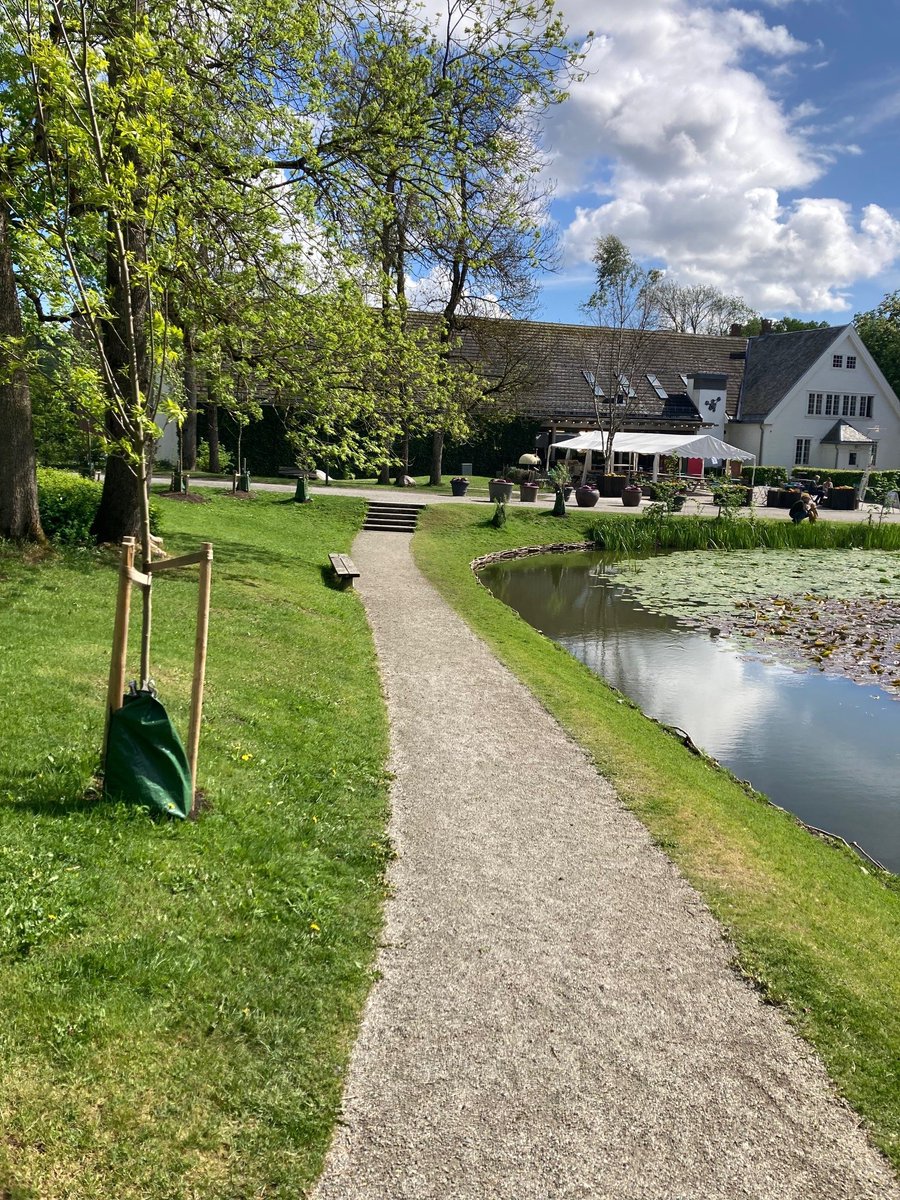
column 624, row 308
column 699, row 308
column 879, row 329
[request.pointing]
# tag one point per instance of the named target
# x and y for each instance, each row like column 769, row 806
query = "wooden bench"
column 291, row 472
column 344, row 569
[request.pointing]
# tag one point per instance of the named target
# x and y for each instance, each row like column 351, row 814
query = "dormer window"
column 837, row 360
column 657, row 387
column 597, row 389
column 625, row 385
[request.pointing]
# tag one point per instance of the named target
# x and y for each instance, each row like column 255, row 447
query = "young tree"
column 617, row 352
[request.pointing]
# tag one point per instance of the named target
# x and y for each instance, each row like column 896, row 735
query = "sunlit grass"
column 177, row 1001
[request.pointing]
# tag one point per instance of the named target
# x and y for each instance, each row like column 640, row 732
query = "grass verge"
column 650, row 534
column 177, row 1001
column 814, row 929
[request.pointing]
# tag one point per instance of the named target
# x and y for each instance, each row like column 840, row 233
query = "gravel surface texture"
column 556, row 1015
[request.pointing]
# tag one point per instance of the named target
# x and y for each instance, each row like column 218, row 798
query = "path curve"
column 556, row 1016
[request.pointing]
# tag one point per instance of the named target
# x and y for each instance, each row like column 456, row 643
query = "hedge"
column 67, row 504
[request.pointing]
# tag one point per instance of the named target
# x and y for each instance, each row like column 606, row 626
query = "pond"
column 823, row 746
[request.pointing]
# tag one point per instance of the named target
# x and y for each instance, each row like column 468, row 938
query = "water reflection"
column 822, row 746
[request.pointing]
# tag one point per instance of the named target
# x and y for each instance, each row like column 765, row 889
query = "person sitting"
column 824, row 491
column 803, row 509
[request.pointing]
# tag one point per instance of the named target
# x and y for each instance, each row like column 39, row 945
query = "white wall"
column 167, row 445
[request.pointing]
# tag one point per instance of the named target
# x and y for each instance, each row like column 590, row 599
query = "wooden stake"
column 116, row 689
column 205, row 584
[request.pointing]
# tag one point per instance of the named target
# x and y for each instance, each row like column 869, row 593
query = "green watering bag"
column 146, row 763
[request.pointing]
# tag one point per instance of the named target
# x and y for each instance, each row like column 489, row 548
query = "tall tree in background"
column 879, row 328
column 437, row 126
column 698, row 308
column 617, row 352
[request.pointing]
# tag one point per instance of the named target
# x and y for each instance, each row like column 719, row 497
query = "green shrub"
column 764, row 476
column 68, row 503
column 203, row 458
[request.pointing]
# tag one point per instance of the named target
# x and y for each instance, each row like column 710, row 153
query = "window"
column 832, row 404
column 814, row 408
column 625, row 385
column 589, row 376
column 874, row 454
column 657, row 387
column 851, row 458
column 848, row 408
column 837, row 360
column 801, row 453
column 851, row 362
column 865, row 406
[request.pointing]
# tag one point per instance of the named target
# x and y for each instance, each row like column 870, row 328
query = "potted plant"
column 500, row 489
column 562, row 488
column 613, row 485
column 842, row 497
column 459, row 485
column 631, row 495
column 586, row 496
column 528, row 488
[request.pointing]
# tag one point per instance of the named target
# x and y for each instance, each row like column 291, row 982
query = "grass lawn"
column 178, row 1000
column 814, row 929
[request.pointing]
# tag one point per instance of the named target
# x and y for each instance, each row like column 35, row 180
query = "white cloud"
column 695, row 163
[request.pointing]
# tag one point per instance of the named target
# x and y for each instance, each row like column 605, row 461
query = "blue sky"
column 754, row 147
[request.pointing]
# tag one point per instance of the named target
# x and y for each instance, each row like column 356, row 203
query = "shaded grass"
column 814, row 929
column 177, row 1001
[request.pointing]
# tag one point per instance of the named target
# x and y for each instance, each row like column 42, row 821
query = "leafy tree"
column 758, row 325
column 624, row 308
column 438, row 131
column 879, row 329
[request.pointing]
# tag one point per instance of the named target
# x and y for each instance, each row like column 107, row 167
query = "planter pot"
column 459, row 489
column 500, row 491
column 837, row 498
column 567, row 492
column 528, row 492
column 586, row 496
column 677, row 503
column 612, row 485
column 631, row 496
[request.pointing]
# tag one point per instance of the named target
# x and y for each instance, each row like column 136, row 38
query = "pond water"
column 822, row 746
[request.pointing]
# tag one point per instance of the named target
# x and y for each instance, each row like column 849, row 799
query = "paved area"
column 556, row 1015
column 395, row 495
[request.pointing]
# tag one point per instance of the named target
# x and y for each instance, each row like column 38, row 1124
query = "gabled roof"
column 778, row 361
column 842, row 433
column 559, row 355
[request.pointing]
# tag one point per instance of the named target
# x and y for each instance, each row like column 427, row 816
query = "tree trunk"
column 437, row 457
column 125, row 349
column 403, row 467
column 19, row 517
column 212, row 436
column 191, row 387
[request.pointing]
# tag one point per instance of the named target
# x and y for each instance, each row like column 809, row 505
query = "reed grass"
column 716, row 533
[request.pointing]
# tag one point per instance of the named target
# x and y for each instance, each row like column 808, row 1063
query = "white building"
column 817, row 399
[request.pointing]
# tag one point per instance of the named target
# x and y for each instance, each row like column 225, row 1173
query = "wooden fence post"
column 116, row 689
column 200, row 644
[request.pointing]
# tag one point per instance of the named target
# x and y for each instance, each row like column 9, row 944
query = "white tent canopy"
column 684, row 445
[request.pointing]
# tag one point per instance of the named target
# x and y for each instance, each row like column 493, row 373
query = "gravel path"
column 556, row 1016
